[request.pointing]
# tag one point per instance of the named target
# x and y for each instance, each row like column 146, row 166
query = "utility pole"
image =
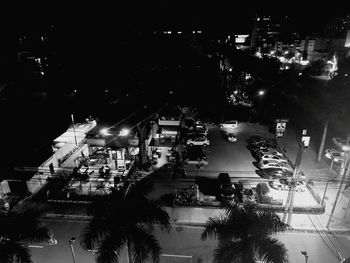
column 290, row 199
column 75, row 137
column 294, row 181
column 329, row 174
column 345, row 174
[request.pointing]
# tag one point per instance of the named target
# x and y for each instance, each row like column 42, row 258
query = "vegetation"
column 125, row 221
column 244, row 235
column 19, row 226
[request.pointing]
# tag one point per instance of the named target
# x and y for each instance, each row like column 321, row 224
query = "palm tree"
column 125, row 221
column 244, row 235
column 19, row 226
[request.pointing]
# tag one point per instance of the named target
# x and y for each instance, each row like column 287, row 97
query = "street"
column 183, row 244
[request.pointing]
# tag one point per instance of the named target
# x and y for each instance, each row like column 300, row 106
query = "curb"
column 68, row 217
column 198, row 224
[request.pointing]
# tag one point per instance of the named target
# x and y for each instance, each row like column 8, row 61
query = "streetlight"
column 124, row 132
column 71, row 248
column 261, row 92
column 304, row 253
column 104, row 131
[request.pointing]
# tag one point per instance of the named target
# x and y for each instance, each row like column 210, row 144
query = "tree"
column 244, row 235
column 125, row 221
column 19, row 226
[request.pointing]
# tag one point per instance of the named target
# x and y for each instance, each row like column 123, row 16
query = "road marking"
column 34, row 246
column 176, row 256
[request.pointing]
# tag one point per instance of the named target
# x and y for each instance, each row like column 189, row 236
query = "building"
column 267, row 30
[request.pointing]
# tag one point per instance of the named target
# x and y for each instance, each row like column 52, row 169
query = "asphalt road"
column 183, row 244
column 233, row 158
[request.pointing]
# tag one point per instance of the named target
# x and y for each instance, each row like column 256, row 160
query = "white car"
column 334, row 155
column 341, row 143
column 270, row 151
column 247, row 103
column 271, row 157
column 274, row 164
column 198, row 141
column 229, row 124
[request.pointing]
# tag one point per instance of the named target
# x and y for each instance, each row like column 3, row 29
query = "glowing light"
column 104, row 131
column 124, row 132
column 345, row 148
column 261, row 92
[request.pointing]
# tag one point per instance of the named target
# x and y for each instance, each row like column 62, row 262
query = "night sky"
column 146, row 15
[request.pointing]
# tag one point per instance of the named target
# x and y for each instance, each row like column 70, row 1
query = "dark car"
column 195, row 153
column 259, row 146
column 274, row 173
column 255, row 140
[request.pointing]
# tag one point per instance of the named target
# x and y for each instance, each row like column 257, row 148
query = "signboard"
column 281, row 126
column 304, row 132
column 282, row 120
column 305, row 140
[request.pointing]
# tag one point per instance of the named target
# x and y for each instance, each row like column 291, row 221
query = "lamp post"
column 71, row 248
column 304, row 253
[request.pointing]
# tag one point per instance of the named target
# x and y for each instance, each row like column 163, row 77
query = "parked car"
column 246, row 103
column 271, row 157
column 231, row 137
column 199, row 122
column 254, row 139
column 260, row 146
column 195, row 134
column 195, row 153
column 273, row 164
column 278, row 185
column 334, row 155
column 274, row 173
column 198, row 141
column 341, row 143
column 229, row 124
column 258, row 153
column 201, row 129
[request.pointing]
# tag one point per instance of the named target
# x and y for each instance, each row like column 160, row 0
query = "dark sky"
column 143, row 15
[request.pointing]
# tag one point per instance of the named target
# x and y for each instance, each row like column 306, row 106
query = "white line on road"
column 34, row 246
column 176, row 256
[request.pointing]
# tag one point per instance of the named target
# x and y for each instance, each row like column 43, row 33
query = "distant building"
column 268, row 30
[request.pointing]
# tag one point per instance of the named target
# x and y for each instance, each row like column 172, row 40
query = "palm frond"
column 214, row 227
column 35, row 234
column 144, row 245
column 14, row 252
column 228, row 252
column 93, row 234
column 270, row 250
column 269, row 223
column 110, row 248
column 141, row 188
column 150, row 211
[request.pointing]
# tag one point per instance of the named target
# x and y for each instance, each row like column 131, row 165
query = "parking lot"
column 231, row 157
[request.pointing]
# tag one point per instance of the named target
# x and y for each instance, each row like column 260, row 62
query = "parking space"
column 231, row 157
